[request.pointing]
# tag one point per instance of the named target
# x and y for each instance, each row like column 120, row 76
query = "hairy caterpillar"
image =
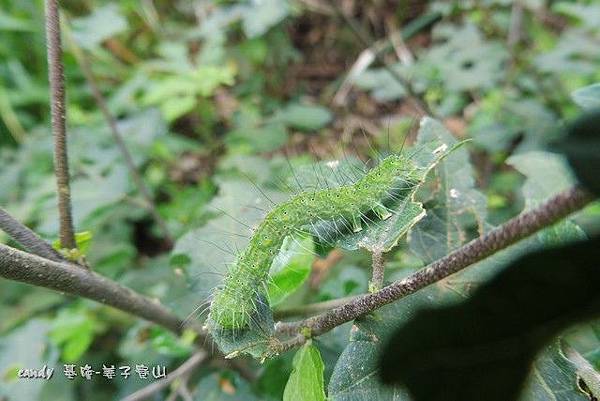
column 242, row 305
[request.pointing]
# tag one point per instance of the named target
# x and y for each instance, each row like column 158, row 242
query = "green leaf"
column 381, row 83
column 176, row 94
column 587, row 97
column 306, row 380
column 83, row 240
column 207, row 78
column 101, row 24
column 30, row 303
column 454, row 207
column 10, row 23
column 555, row 376
column 584, row 370
column 355, row 377
column 260, row 137
column 501, row 119
column 74, row 330
column 589, row 14
column 174, row 107
column 304, row 117
column 24, row 348
column 580, row 145
column 547, row 175
column 574, row 54
column 258, row 17
column 273, row 377
column 165, row 342
column 351, row 280
column 465, row 61
column 497, row 333
column 291, row 267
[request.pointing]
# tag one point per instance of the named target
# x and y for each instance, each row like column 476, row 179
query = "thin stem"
column 112, row 124
column 27, row 238
column 184, row 391
column 58, row 111
column 515, row 32
column 184, row 370
column 9, row 117
column 31, row 269
column 507, row 234
column 310, row 309
column 378, row 271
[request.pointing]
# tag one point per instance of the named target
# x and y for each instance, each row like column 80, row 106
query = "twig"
column 184, row 391
column 419, row 103
column 27, row 238
column 516, row 25
column 368, row 55
column 9, row 117
column 112, row 124
column 378, row 271
column 310, row 309
column 31, row 269
column 58, row 111
column 397, row 42
column 507, row 234
column 183, row 370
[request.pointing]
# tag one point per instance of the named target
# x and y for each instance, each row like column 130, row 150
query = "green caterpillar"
column 347, row 207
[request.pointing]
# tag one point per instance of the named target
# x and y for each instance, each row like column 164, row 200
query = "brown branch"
column 112, row 124
column 27, row 238
column 58, row 111
column 31, row 269
column 70, row 279
column 501, row 237
column 185, row 369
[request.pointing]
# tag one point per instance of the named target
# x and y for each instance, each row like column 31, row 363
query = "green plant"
column 187, row 121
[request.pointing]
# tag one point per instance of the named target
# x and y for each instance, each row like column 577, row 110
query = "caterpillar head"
column 241, row 325
column 226, row 311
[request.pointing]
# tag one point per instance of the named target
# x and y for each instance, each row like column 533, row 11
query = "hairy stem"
column 27, row 238
column 184, row 370
column 507, row 234
column 112, row 124
column 58, row 111
column 378, row 271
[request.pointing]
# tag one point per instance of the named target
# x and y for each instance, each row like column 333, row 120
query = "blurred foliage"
column 227, row 106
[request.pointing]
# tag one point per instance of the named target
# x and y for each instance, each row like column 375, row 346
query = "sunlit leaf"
column 306, row 380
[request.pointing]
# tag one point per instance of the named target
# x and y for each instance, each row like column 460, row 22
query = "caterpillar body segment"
column 348, row 207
